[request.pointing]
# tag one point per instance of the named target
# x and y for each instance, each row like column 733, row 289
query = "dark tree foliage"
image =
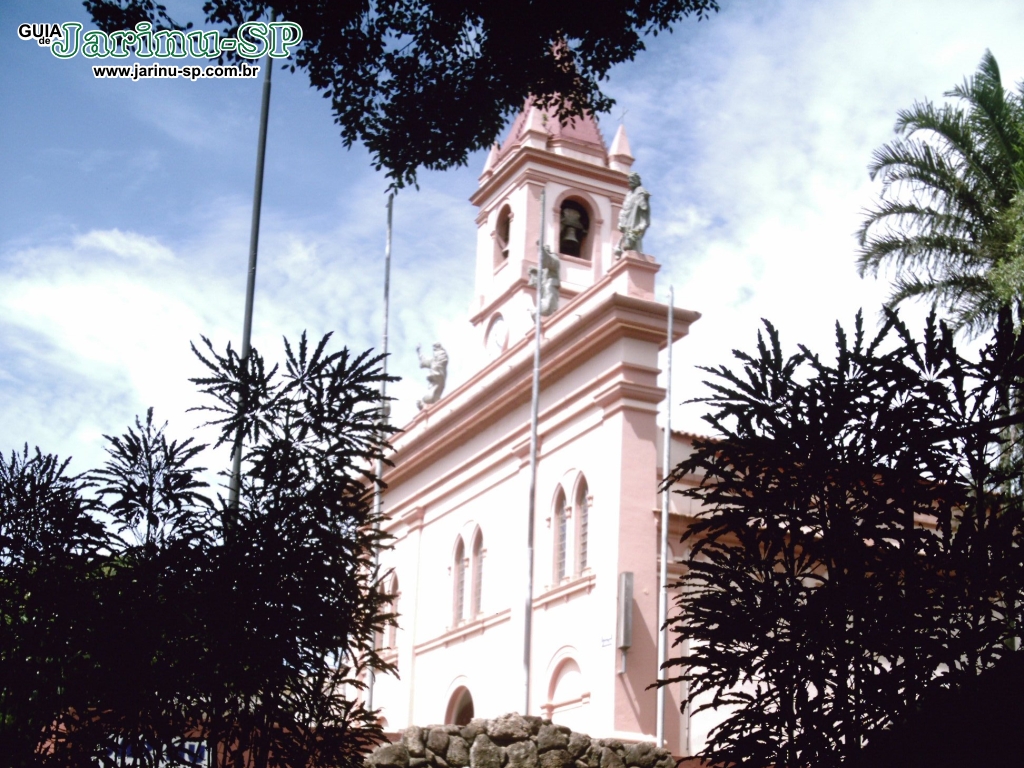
column 164, row 630
column 421, row 83
column 51, row 554
column 858, row 543
column 978, row 723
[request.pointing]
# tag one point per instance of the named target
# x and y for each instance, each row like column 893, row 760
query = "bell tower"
column 583, row 185
column 456, row 498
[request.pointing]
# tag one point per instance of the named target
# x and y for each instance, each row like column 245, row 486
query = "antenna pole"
column 534, row 410
column 378, row 495
column 250, row 293
column 665, row 499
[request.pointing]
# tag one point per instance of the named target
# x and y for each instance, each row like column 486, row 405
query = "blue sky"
column 126, row 206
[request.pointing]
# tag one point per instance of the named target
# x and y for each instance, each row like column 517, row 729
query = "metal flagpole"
column 665, row 498
column 378, row 496
column 250, row 287
column 528, row 625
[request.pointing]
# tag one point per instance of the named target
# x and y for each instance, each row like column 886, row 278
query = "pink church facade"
column 457, row 498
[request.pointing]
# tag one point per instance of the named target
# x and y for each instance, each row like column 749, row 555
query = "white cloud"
column 98, row 341
column 125, row 244
column 754, row 133
column 105, row 318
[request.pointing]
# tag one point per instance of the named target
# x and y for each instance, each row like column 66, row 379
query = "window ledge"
column 582, row 261
column 464, row 631
column 553, row 707
column 581, row 585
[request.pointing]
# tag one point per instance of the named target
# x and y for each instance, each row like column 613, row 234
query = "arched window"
column 501, row 236
column 566, row 684
column 393, row 608
column 386, row 637
column 560, row 535
column 568, row 696
column 574, row 224
column 478, row 575
column 459, row 573
column 378, row 635
column 582, row 525
column 460, row 707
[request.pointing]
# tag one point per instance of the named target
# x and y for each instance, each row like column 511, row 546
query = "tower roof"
column 532, row 121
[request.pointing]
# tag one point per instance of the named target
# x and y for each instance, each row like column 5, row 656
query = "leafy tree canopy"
column 424, row 82
column 858, row 540
column 131, row 639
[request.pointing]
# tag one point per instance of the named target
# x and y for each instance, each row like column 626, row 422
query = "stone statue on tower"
column 436, row 378
column 550, row 282
column 634, row 218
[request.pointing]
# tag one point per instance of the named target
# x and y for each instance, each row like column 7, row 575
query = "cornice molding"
column 464, row 631
column 505, row 383
column 605, row 180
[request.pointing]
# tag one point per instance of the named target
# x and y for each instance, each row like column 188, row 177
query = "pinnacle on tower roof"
column 492, row 160
column 620, row 158
column 534, row 131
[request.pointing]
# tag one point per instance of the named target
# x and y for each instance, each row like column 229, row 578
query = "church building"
column 458, row 496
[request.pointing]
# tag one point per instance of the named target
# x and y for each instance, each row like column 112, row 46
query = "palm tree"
column 950, row 219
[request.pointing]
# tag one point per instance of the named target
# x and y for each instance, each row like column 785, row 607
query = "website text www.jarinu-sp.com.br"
column 138, row 71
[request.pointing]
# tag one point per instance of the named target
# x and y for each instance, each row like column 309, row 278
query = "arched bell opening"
column 574, row 229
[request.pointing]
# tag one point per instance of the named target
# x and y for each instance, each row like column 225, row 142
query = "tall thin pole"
column 534, row 410
column 665, row 499
column 378, row 496
column 250, row 287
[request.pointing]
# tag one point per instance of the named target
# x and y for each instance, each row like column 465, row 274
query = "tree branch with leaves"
column 855, row 545
column 422, row 83
column 154, row 630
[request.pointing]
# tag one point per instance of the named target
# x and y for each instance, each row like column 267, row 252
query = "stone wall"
column 512, row 741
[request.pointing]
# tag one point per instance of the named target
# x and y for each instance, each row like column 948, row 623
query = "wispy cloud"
column 754, row 131
column 127, row 245
column 97, row 330
column 99, row 324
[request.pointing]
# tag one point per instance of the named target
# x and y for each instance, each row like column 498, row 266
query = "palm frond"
column 948, row 180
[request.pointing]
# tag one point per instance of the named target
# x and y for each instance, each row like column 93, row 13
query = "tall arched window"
column 478, row 575
column 393, row 608
column 501, row 236
column 582, row 525
column 385, row 638
column 459, row 573
column 378, row 635
column 560, row 537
